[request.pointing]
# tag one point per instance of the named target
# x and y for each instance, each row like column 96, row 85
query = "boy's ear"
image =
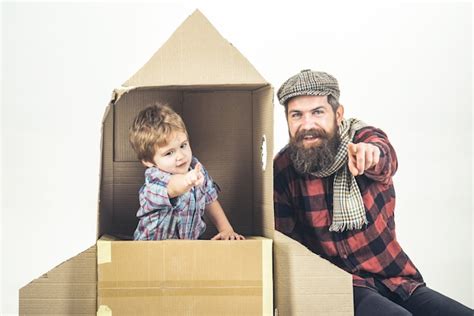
column 147, row 164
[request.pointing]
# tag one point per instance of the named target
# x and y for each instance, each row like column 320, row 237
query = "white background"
column 405, row 68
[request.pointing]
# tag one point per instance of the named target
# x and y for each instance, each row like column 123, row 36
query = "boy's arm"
column 182, row 183
column 217, row 216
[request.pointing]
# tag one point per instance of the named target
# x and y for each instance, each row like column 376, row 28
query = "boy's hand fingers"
column 228, row 236
column 198, row 167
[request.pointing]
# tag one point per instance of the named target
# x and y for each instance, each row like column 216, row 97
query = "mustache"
column 317, row 157
column 316, row 133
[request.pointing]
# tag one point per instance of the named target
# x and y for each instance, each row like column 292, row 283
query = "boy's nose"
column 179, row 156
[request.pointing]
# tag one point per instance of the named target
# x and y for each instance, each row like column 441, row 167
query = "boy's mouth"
column 181, row 164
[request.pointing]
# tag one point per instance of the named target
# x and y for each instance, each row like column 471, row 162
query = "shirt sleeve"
column 285, row 216
column 154, row 193
column 388, row 164
column 210, row 188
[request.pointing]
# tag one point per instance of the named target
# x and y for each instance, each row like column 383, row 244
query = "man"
column 333, row 192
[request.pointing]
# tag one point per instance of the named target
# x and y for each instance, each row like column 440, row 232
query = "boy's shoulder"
column 154, row 175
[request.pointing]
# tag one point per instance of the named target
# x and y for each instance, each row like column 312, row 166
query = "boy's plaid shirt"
column 303, row 211
column 178, row 218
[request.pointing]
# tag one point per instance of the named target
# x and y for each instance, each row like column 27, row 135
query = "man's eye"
column 318, row 112
column 296, row 115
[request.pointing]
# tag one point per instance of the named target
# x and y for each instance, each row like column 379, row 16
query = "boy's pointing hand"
column 195, row 177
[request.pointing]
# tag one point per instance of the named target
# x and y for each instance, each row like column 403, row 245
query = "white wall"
column 405, row 68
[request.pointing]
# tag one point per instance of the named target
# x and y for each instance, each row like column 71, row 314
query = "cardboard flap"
column 185, row 277
column 70, row 288
column 262, row 116
column 306, row 284
column 196, row 54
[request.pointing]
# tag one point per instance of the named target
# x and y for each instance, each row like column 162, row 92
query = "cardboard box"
column 228, row 110
column 183, row 277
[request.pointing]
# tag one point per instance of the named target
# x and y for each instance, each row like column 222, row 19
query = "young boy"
column 177, row 187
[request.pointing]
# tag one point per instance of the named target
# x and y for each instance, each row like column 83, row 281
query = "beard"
column 316, row 157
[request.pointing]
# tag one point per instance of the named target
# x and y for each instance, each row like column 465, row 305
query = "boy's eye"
column 184, row 145
column 169, row 153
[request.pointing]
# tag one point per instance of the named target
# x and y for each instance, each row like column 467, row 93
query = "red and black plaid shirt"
column 303, row 211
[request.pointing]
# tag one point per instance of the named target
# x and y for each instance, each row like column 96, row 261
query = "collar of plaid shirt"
column 349, row 210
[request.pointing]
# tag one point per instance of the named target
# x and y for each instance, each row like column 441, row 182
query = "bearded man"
column 333, row 193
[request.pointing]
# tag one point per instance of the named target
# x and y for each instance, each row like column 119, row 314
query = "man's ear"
column 147, row 164
column 339, row 114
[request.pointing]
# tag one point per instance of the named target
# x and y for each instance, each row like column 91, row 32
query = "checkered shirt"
column 303, row 210
column 177, row 218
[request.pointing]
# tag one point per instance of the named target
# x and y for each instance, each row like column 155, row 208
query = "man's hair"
column 334, row 102
column 331, row 100
column 151, row 128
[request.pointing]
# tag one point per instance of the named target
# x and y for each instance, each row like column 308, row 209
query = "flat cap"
column 308, row 82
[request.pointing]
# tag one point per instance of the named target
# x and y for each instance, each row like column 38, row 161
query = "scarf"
column 349, row 209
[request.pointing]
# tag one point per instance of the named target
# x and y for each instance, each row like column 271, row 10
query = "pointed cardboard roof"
column 196, row 54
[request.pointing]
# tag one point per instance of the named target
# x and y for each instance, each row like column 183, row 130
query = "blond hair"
column 152, row 127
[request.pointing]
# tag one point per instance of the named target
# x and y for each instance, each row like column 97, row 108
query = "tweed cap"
column 308, row 82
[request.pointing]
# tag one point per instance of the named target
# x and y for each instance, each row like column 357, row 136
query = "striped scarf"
column 349, row 210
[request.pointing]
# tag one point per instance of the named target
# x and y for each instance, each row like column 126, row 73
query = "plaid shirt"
column 303, row 211
column 177, row 218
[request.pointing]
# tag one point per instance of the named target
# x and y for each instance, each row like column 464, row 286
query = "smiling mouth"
column 310, row 141
column 310, row 138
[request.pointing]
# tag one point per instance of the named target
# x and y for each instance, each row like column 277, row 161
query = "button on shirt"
column 303, row 211
column 177, row 218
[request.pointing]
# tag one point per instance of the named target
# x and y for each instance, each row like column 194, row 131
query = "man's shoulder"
column 282, row 162
column 282, row 157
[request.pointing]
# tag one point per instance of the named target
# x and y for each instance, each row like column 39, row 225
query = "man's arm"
column 285, row 218
column 373, row 155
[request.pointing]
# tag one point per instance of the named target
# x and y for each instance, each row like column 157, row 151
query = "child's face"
column 175, row 157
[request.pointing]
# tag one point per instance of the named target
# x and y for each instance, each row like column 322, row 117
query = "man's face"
column 308, row 112
column 312, row 125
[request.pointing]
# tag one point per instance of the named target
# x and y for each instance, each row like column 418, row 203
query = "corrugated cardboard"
column 228, row 109
column 185, row 277
column 306, row 284
column 70, row 288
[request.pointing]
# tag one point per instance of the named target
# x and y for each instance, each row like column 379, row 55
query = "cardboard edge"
column 267, row 273
column 104, row 251
column 117, row 93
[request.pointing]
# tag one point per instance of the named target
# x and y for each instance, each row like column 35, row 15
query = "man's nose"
column 308, row 122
